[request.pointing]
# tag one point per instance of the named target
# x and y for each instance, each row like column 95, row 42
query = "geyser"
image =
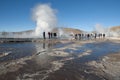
column 99, row 28
column 45, row 19
column 110, row 32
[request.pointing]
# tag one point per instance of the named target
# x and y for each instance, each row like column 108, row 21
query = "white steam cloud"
column 109, row 33
column 45, row 19
column 99, row 28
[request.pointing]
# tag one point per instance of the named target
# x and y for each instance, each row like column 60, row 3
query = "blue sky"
column 16, row 15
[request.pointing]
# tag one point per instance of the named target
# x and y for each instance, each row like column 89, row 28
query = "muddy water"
column 49, row 61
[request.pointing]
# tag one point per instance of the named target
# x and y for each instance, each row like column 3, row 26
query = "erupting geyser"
column 45, row 19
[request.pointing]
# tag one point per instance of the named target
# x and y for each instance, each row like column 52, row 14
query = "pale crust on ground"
column 109, row 65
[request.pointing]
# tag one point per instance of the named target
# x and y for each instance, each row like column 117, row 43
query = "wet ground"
column 53, row 61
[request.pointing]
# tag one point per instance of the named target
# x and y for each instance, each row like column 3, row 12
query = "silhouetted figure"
column 95, row 35
column 55, row 35
column 103, row 35
column 44, row 35
column 76, row 36
column 82, row 36
column 99, row 35
column 79, row 36
column 49, row 35
column 88, row 36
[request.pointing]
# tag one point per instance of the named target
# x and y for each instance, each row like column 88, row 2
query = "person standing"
column 44, row 35
column 99, row 35
column 79, row 36
column 49, row 35
column 95, row 35
column 103, row 35
column 55, row 35
column 76, row 36
column 82, row 36
column 88, row 36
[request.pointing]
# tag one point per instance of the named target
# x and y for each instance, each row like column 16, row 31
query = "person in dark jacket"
column 76, row 36
column 95, row 35
column 103, row 35
column 44, row 35
column 79, row 36
column 55, row 35
column 88, row 36
column 49, row 35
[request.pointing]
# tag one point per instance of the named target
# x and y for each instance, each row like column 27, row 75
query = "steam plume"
column 99, row 28
column 45, row 18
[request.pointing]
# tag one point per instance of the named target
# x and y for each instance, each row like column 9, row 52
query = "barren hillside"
column 115, row 28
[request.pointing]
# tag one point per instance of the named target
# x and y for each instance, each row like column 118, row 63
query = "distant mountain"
column 75, row 31
column 63, row 31
column 68, row 30
column 115, row 28
column 115, row 31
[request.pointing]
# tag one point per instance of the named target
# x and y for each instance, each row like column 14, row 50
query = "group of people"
column 89, row 36
column 77, row 36
column 50, row 35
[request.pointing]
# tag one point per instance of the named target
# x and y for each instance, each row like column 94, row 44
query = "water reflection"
column 50, row 45
column 47, row 45
column 51, row 57
column 17, row 50
column 13, row 51
column 43, row 45
column 24, row 55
